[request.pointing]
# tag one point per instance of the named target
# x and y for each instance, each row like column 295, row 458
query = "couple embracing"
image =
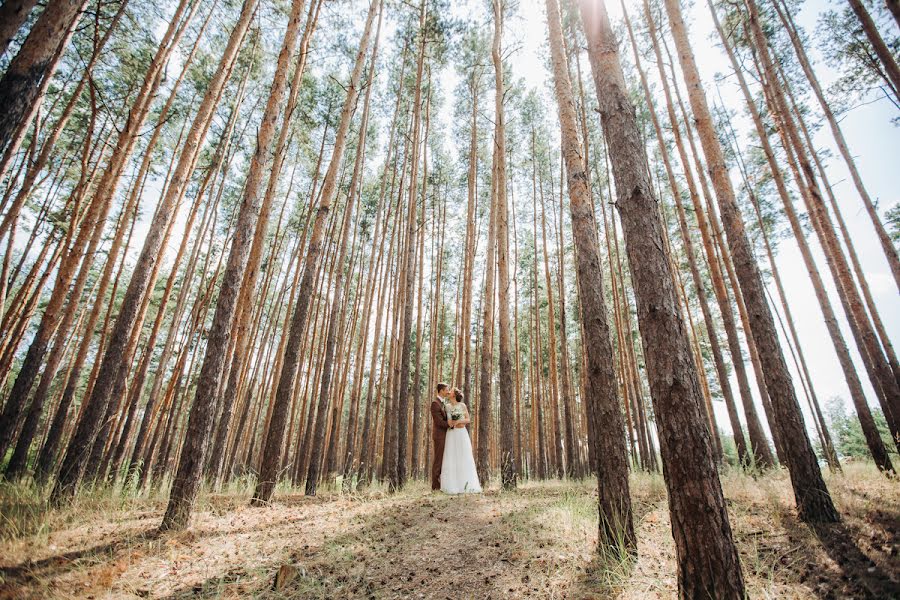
column 453, row 470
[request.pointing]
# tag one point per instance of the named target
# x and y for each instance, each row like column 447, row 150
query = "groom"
column 438, row 432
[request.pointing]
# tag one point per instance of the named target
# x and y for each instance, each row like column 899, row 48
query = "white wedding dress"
column 458, row 474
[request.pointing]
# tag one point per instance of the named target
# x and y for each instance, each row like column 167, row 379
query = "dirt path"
column 536, row 542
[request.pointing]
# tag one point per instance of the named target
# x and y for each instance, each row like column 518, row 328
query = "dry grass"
column 536, row 542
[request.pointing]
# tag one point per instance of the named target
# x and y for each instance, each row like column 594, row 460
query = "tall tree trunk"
column 715, row 273
column 813, row 500
column 417, row 410
column 721, row 263
column 564, row 464
column 248, row 286
column 508, row 470
column 852, row 255
column 611, row 461
column 312, row 475
column 374, row 270
column 486, row 354
column 567, row 395
column 799, row 358
column 890, row 252
column 837, row 338
column 687, row 242
column 55, row 356
column 464, row 345
column 882, row 51
column 89, row 233
column 221, row 163
column 708, row 563
column 883, row 377
column 397, row 464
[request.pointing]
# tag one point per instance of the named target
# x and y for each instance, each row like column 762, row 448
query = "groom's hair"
column 441, row 387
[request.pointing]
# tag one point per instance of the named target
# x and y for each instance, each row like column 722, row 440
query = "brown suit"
column 438, row 436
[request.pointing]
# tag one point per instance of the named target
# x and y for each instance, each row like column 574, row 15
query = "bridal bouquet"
column 455, row 413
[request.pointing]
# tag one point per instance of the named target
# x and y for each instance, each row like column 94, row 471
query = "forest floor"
column 536, row 542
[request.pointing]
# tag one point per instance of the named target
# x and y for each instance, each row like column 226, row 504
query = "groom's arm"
column 440, row 421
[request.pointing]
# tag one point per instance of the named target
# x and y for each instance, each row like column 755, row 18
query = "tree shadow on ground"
column 856, row 569
column 16, row 576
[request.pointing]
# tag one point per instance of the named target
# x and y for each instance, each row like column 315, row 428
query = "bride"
column 458, row 474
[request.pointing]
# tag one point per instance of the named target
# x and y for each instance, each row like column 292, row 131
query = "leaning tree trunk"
column 240, row 328
column 312, row 474
column 708, row 224
column 12, row 15
column 890, row 252
column 30, row 70
column 88, row 237
column 611, row 460
column 837, row 338
column 708, row 563
column 36, row 166
column 53, row 359
column 813, row 500
column 374, row 269
column 837, row 262
column 251, row 225
column 882, row 51
column 690, row 255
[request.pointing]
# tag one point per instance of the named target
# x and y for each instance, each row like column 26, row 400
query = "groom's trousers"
column 438, row 435
column 438, row 460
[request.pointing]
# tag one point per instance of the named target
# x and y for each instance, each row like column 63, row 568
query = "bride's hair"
column 459, row 395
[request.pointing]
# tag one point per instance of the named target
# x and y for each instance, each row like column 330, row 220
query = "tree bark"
column 397, row 469
column 687, row 242
column 890, row 252
column 248, row 286
column 837, row 338
column 508, row 470
column 486, row 353
column 13, row 14
column 883, row 379
column 708, row 563
column 312, row 475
